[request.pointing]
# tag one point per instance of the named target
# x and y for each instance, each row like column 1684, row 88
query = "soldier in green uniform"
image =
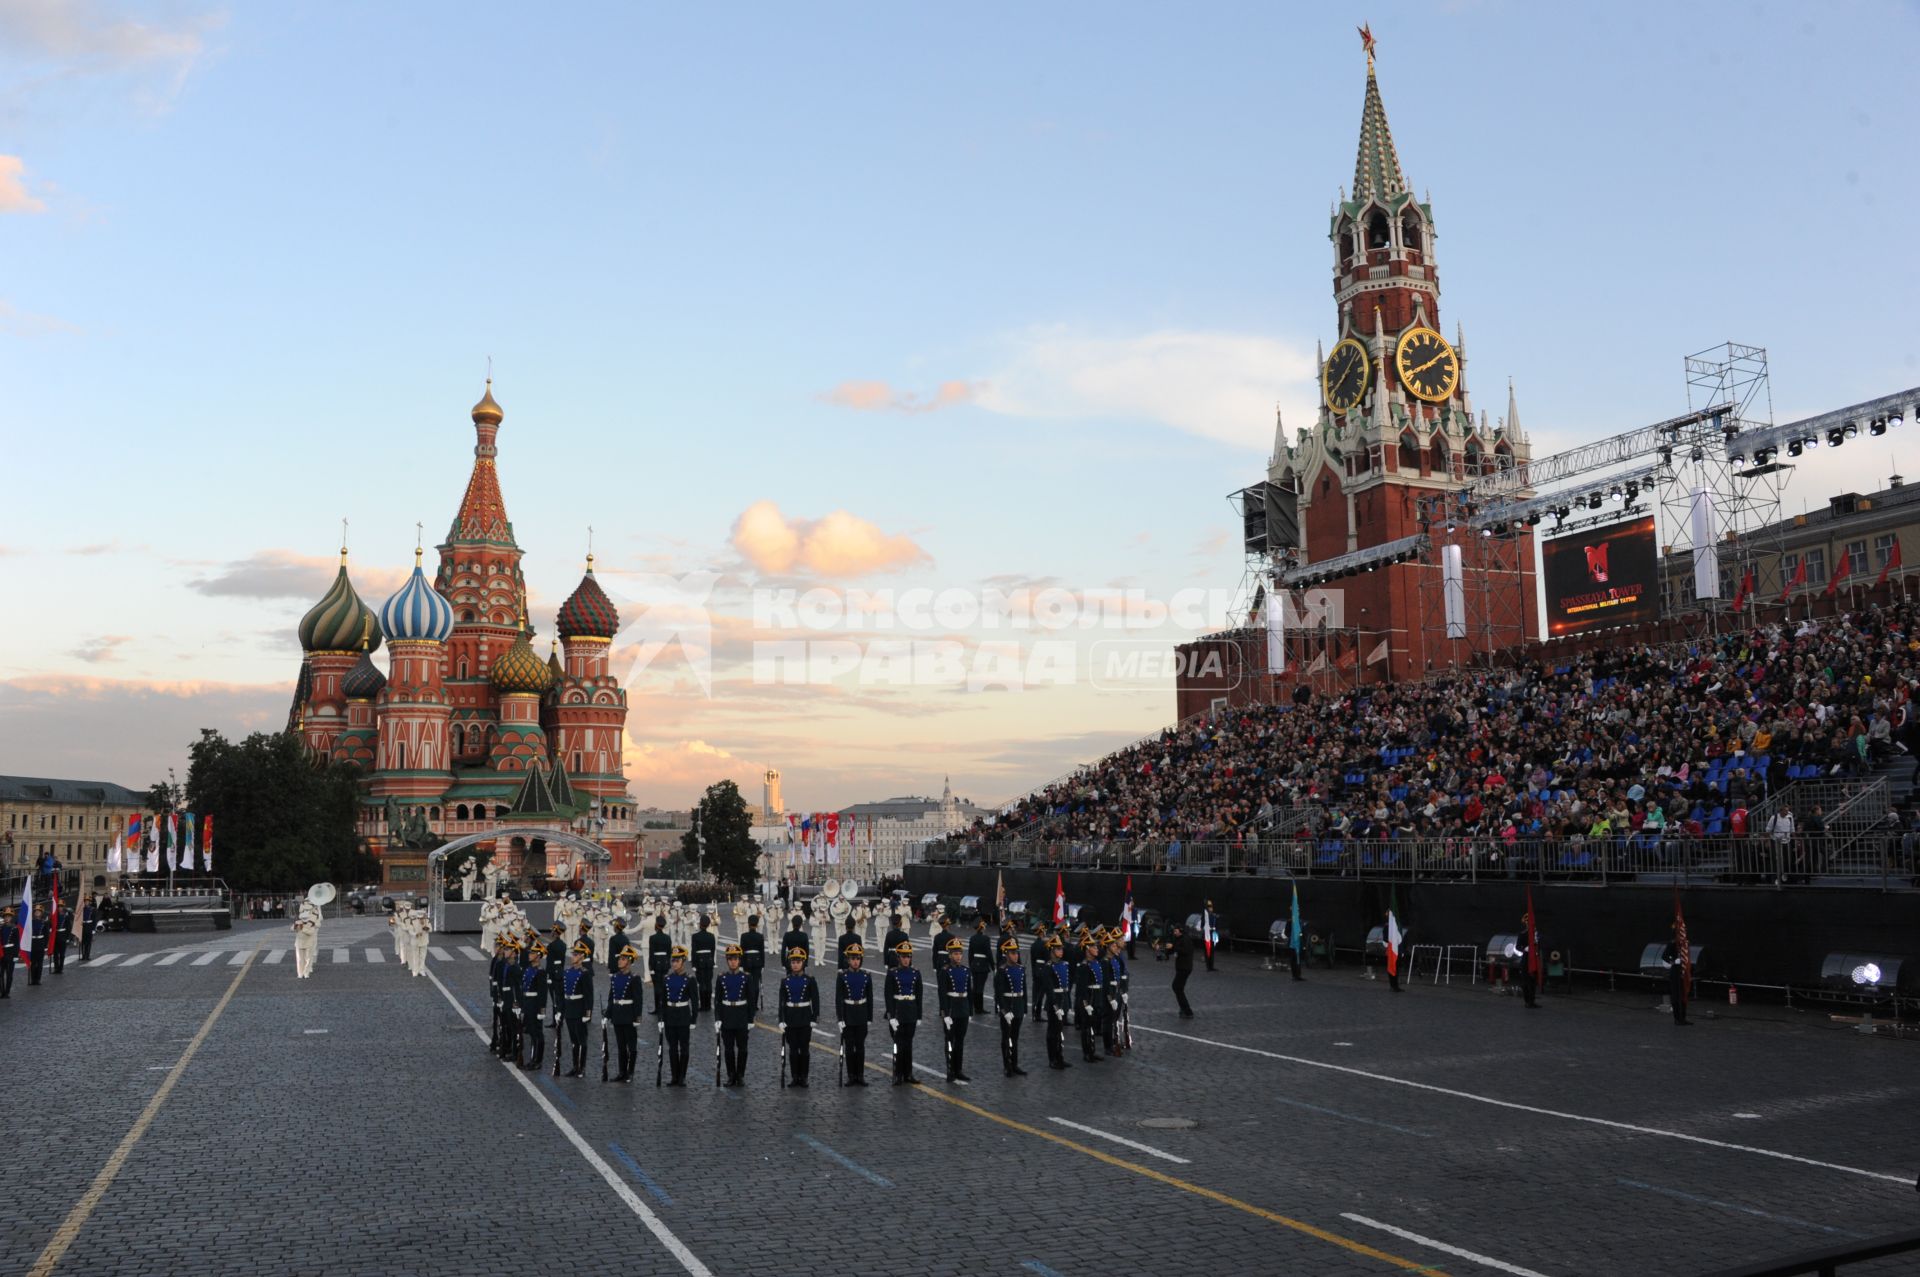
column 704, row 942
column 853, row 1006
column 623, row 1009
column 531, row 996
column 753, row 958
column 799, row 1008
column 979, row 963
column 736, row 994
column 576, row 1003
column 679, row 1012
column 1057, row 989
column 955, row 1003
column 903, row 994
column 1010, row 1003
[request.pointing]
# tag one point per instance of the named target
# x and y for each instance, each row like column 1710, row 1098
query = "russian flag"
column 26, row 920
column 1126, row 913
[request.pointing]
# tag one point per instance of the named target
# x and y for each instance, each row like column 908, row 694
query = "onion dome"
column 417, row 613
column 487, row 411
column 588, row 612
column 520, row 670
column 364, row 681
column 340, row 622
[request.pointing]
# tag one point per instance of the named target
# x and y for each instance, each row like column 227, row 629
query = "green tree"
column 726, row 850
column 282, row 820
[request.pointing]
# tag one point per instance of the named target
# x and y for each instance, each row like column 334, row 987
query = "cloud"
column 65, row 39
column 841, row 544
column 14, row 197
column 15, row 322
column 677, row 772
column 282, row 574
column 878, row 396
column 1216, row 385
column 104, row 648
column 125, row 730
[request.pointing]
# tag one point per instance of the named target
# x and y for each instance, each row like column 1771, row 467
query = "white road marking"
column 206, row 958
column 1748, row 1116
column 1456, row 1251
column 136, row 959
column 274, row 955
column 158, row 1068
column 374, row 955
column 165, row 961
column 339, row 955
column 100, row 961
column 441, row 954
column 239, row 956
column 1635, row 1127
column 687, row 1259
column 1121, row 1139
column 472, row 952
column 313, row 1030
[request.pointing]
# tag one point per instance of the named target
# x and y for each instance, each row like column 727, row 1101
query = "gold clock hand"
column 1415, row 372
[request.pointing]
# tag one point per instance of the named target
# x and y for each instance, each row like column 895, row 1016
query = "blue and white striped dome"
column 417, row 613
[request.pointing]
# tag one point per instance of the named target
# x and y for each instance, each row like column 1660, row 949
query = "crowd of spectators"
column 1630, row 741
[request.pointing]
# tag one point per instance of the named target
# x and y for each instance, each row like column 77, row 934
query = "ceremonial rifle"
column 843, row 1053
column 716, row 1047
column 660, row 1048
column 603, row 1048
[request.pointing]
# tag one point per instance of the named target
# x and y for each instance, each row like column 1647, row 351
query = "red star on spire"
column 1367, row 41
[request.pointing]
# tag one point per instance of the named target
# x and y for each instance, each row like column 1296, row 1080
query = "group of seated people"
column 1634, row 743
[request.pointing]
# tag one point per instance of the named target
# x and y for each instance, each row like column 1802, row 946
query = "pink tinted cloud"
column 840, row 544
column 125, row 730
column 283, row 574
column 14, row 196
column 878, row 396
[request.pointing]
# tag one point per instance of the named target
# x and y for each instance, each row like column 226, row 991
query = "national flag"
column 1294, row 939
column 186, row 845
column 153, row 846
column 1893, row 561
column 1533, row 941
column 1839, row 574
column 1745, row 592
column 53, row 909
column 833, row 837
column 1378, row 654
column 1799, row 579
column 1206, row 930
column 1349, row 658
column 170, row 840
column 1393, row 935
column 1680, row 943
column 206, row 844
column 999, row 893
column 1126, row 913
column 25, row 917
column 1059, row 898
column 135, row 836
column 113, row 855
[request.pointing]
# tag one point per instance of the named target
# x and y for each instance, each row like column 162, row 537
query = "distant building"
column 899, row 823
column 74, row 819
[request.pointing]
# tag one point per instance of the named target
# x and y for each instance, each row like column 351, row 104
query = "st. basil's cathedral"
column 469, row 729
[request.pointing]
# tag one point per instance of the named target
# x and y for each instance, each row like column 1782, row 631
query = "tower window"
column 1378, row 235
column 1410, row 230
column 1409, row 454
column 1442, row 464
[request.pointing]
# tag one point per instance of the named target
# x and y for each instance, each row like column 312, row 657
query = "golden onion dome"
column 487, row 411
column 519, row 670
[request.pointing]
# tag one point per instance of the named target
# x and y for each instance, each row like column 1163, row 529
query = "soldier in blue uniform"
column 1089, row 1002
column 704, row 943
column 853, row 1005
column 1038, row 958
column 903, row 993
column 1010, row 1003
column 1118, row 989
column 679, row 1010
column 1057, row 989
column 496, row 970
column 37, row 947
column 509, row 998
column 531, row 995
column 659, row 958
column 753, row 959
column 799, row 1008
column 956, row 983
column 89, row 920
column 576, row 1003
column 980, row 963
column 895, row 938
column 556, row 955
column 736, row 994
column 623, row 1008
column 796, row 937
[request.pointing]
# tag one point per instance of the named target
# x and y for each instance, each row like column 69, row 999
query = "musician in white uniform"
column 306, row 943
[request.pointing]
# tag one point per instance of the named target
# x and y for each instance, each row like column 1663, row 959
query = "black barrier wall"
column 1751, row 936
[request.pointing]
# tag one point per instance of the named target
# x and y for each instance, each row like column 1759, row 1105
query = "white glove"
column 947, row 1020
column 1007, row 1016
column 894, row 1025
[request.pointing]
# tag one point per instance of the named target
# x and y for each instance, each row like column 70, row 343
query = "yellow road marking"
column 1161, row 1177
column 69, row 1229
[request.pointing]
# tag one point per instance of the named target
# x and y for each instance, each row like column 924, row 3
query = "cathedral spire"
column 1514, row 433
column 1279, row 439
column 483, row 511
column 1376, row 169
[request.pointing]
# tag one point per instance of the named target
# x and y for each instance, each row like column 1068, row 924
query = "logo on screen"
column 1597, row 561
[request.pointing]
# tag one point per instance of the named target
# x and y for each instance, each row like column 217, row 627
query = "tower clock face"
column 1344, row 379
column 1427, row 365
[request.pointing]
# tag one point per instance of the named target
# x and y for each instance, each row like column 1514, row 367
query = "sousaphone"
column 321, row 894
column 831, row 887
column 850, row 889
column 839, row 909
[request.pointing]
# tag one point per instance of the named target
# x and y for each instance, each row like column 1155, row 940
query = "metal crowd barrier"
column 1887, row 861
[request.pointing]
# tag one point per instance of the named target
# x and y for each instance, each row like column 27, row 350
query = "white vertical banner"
column 1453, row 591
column 1276, row 630
column 1706, row 555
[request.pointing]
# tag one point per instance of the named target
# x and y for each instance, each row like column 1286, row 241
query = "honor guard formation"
column 545, row 985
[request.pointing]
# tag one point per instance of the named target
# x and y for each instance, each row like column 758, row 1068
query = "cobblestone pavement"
column 353, row 1123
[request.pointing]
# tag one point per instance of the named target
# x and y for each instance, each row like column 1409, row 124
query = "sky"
column 966, row 300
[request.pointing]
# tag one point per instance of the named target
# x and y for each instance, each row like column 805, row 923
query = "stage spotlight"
column 1594, row 499
column 1878, row 426
column 1794, row 448
column 1836, row 437
column 1560, row 514
column 1614, row 492
column 1740, row 458
column 1449, row 525
column 1486, row 532
column 1852, row 431
column 1868, row 975
column 1812, row 441
column 1533, row 519
column 1894, row 418
column 1633, row 490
